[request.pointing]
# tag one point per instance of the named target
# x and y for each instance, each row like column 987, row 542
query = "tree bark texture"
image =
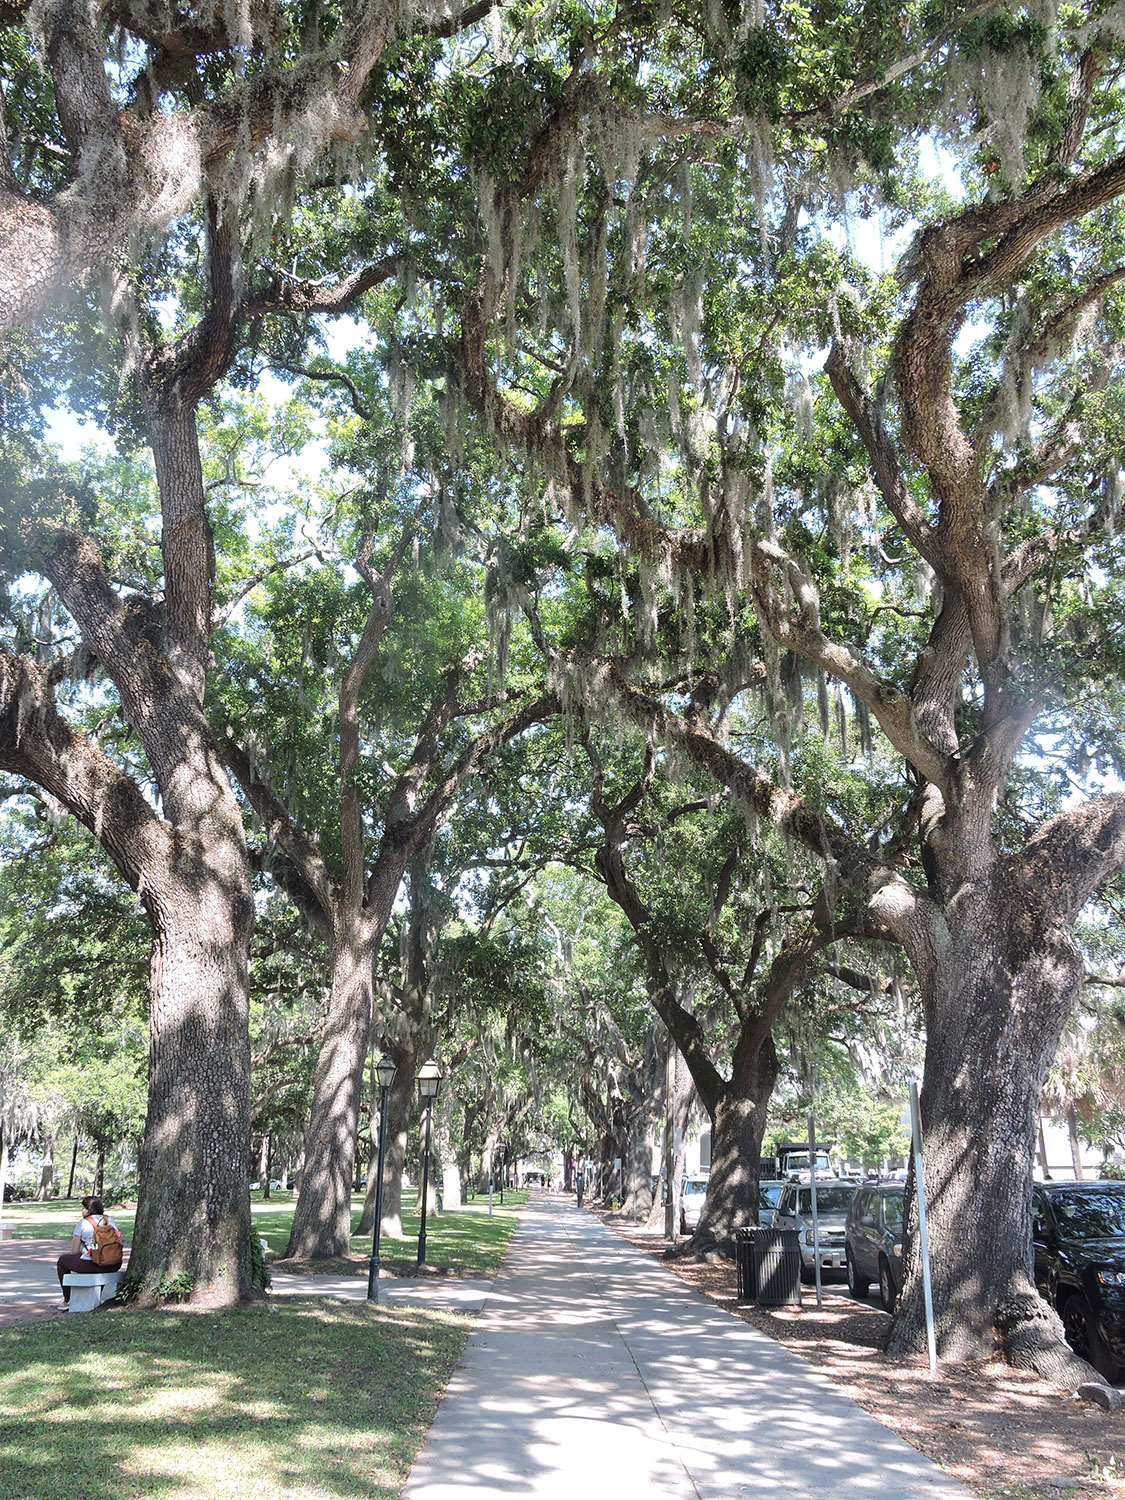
column 193, row 1216
column 322, row 1219
column 1008, row 977
column 408, row 1058
column 738, row 1124
column 47, row 1171
column 445, row 1153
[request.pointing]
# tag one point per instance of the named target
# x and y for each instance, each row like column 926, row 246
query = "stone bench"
column 89, row 1289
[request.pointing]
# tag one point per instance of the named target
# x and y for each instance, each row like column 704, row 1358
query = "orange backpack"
column 105, row 1252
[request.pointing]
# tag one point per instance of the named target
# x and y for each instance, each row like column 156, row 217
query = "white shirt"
column 84, row 1231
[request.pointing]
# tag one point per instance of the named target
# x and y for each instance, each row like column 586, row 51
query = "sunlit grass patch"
column 55, row 1220
column 467, row 1241
column 302, row 1402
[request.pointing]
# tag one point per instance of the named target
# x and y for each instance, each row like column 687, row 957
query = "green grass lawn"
column 464, row 1241
column 300, row 1402
column 308, row 1400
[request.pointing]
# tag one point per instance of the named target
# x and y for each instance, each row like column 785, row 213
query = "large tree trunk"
column 322, row 1219
column 193, row 1209
column 636, row 1202
column 445, row 1153
column 47, row 1171
column 644, row 1122
column 672, row 1166
column 1008, row 979
column 737, row 1127
column 489, row 1176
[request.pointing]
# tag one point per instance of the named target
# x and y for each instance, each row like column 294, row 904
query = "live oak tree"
column 149, row 636
column 988, row 480
column 120, row 117
column 404, row 700
column 729, row 917
column 120, row 121
column 637, row 312
column 998, row 515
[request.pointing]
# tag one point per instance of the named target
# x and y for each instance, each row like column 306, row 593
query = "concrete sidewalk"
column 447, row 1293
column 593, row 1374
column 29, row 1285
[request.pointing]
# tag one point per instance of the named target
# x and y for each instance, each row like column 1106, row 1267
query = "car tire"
column 1084, row 1338
column 887, row 1289
column 858, row 1285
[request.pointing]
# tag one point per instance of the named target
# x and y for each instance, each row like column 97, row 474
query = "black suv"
column 1078, row 1233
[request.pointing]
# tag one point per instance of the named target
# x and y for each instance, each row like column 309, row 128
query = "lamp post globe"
column 429, row 1079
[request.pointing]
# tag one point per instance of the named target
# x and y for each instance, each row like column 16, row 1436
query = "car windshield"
column 829, row 1200
column 892, row 1210
column 768, row 1196
column 1096, row 1214
column 695, row 1189
column 799, row 1162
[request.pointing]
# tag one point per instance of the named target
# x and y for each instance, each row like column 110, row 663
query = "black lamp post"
column 429, row 1081
column 385, row 1073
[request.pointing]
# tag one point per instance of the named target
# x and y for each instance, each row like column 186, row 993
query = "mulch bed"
column 999, row 1430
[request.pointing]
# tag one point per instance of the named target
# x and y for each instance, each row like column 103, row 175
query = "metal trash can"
column 778, row 1271
column 747, row 1278
column 768, row 1265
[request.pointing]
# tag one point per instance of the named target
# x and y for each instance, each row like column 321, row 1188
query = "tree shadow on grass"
column 282, row 1403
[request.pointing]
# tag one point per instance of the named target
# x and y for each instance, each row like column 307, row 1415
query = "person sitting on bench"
column 80, row 1255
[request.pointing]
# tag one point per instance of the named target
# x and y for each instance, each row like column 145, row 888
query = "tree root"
column 1031, row 1332
column 707, row 1251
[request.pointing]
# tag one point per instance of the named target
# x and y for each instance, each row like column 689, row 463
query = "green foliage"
column 260, row 1278
column 175, row 1288
column 72, row 942
column 865, row 1126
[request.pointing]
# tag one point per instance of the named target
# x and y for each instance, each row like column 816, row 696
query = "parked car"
column 769, row 1191
column 794, row 1211
column 873, row 1240
column 692, row 1193
column 1078, row 1234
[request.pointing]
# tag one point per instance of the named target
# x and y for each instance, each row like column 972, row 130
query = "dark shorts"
column 82, row 1264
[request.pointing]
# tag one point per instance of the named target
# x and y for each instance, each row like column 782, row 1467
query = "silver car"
column 794, row 1211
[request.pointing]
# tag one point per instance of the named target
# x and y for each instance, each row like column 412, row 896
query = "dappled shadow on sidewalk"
column 998, row 1429
column 593, row 1373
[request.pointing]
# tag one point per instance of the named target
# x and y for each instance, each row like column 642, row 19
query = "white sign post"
column 923, row 1237
column 815, row 1215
